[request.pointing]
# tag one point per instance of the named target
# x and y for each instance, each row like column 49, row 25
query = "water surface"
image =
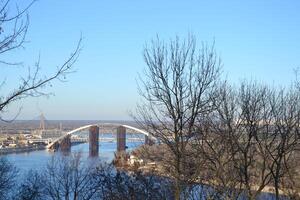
column 36, row 160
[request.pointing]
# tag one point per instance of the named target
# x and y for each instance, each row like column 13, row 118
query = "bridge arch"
column 94, row 136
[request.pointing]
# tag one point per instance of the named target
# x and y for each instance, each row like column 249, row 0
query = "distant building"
column 46, row 134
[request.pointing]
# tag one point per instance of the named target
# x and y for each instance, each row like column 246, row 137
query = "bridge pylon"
column 93, row 141
column 121, row 138
column 65, row 144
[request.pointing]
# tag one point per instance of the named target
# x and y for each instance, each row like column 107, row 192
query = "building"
column 46, row 134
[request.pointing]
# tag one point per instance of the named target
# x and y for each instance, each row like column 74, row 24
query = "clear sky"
column 257, row 39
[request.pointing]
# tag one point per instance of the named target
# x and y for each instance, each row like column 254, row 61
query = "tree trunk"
column 177, row 190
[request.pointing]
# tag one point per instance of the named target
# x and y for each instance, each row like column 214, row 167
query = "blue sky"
column 256, row 40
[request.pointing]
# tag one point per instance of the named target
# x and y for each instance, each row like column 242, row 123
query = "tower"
column 42, row 122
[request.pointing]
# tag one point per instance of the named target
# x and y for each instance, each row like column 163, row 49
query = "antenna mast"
column 42, row 122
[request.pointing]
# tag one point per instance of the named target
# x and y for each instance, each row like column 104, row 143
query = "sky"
column 257, row 40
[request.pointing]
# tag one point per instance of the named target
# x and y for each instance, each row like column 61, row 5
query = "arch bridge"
column 63, row 143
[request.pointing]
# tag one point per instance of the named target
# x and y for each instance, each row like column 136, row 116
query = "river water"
column 37, row 160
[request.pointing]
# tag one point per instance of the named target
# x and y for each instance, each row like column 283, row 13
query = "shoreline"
column 6, row 151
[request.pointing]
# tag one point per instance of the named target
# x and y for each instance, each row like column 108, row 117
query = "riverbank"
column 5, row 151
column 147, row 160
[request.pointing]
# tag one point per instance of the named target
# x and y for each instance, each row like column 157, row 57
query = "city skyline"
column 255, row 40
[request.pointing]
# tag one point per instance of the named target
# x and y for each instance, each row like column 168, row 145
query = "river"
column 38, row 159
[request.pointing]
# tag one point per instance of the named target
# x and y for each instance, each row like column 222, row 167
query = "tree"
column 240, row 128
column 8, row 174
column 69, row 177
column 13, row 29
column 65, row 177
column 119, row 185
column 14, row 23
column 285, row 140
column 215, row 146
column 177, row 89
column 32, row 187
column 250, row 141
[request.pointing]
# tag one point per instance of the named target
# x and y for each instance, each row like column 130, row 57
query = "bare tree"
column 32, row 187
column 14, row 23
column 74, row 178
column 240, row 141
column 69, row 177
column 8, row 174
column 119, row 185
column 285, row 139
column 177, row 88
column 240, row 128
column 253, row 121
column 65, row 177
column 250, row 142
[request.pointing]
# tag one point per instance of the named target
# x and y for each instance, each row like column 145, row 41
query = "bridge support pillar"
column 121, row 138
column 148, row 141
column 94, row 141
column 65, row 144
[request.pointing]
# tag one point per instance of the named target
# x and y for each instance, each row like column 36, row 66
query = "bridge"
column 63, row 143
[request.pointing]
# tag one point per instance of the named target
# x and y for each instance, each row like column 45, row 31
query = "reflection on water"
column 38, row 159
